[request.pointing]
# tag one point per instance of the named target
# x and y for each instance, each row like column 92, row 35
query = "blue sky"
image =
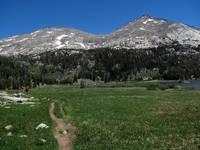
column 94, row 16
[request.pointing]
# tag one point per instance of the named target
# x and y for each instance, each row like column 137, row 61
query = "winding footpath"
column 63, row 132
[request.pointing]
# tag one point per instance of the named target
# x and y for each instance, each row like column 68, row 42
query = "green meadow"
column 107, row 117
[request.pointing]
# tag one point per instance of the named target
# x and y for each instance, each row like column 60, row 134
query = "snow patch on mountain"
column 150, row 20
column 58, row 42
column 22, row 40
column 142, row 28
column 61, row 37
column 35, row 32
column 49, row 32
column 8, row 40
column 81, row 44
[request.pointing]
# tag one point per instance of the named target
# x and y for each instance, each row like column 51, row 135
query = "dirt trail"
column 63, row 132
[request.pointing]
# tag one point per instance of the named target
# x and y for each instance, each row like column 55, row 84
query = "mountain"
column 144, row 49
column 46, row 40
column 145, row 32
column 148, row 32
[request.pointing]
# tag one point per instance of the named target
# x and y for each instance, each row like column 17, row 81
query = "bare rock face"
column 144, row 32
column 148, row 32
column 46, row 40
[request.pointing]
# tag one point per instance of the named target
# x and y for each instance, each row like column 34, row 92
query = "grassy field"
column 109, row 118
column 130, row 118
column 24, row 119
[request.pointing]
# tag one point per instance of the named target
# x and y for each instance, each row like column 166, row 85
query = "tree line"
column 169, row 62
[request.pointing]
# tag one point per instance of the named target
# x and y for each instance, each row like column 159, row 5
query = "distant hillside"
column 66, row 66
column 145, row 32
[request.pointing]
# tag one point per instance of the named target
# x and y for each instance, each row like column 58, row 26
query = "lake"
column 191, row 84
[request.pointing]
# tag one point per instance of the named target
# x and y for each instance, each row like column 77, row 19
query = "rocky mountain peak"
column 144, row 32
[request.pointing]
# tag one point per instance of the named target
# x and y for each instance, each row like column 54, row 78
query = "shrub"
column 163, row 87
column 82, row 84
column 171, row 86
column 151, row 87
column 166, row 86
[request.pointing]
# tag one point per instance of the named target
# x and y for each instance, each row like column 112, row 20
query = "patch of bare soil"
column 63, row 132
